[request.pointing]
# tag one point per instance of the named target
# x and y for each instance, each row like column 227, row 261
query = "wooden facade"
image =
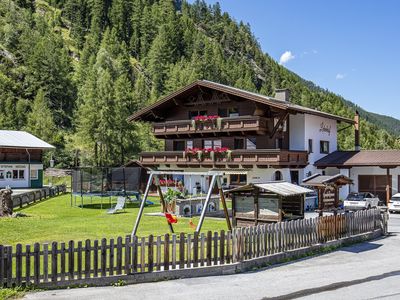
column 256, row 133
column 20, row 155
column 255, row 204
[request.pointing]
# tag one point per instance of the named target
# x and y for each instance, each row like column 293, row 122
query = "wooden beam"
column 388, row 183
column 279, row 123
column 221, row 194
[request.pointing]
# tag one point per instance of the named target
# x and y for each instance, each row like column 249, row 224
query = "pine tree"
column 40, row 119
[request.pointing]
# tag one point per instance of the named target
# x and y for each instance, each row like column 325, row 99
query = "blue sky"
column 351, row 48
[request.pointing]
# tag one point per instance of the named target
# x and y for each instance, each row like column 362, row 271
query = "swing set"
column 155, row 176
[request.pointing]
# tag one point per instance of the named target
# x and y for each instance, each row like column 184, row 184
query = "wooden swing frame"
column 215, row 180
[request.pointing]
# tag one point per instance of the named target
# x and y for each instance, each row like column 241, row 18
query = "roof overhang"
column 281, row 188
column 318, row 180
column 145, row 113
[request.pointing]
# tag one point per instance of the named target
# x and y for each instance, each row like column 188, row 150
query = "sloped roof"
column 281, row 188
column 21, row 139
column 280, row 104
column 321, row 180
column 380, row 158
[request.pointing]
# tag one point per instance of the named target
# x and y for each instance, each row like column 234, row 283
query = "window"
column 279, row 143
column 8, row 175
column 21, row 174
column 195, row 113
column 278, row 176
column 324, row 147
column 294, row 176
column 238, row 179
column 310, row 146
column 228, row 112
column 212, row 144
column 251, row 143
column 179, row 145
column 1, row 174
column 189, row 144
column 34, row 174
column 238, row 144
column 15, row 174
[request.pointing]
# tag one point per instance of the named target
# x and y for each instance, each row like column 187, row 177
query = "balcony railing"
column 273, row 157
column 223, row 125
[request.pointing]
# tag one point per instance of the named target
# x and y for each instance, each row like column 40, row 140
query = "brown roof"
column 147, row 113
column 381, row 158
column 322, row 180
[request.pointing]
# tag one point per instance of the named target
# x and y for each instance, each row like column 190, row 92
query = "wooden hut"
column 267, row 203
column 328, row 190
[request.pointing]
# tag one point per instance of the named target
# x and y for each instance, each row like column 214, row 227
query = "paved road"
column 369, row 270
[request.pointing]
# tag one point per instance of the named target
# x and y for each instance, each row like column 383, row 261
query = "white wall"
column 354, row 172
column 319, row 129
column 14, row 183
column 297, row 139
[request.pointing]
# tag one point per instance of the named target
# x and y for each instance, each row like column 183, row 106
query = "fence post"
column 222, row 247
column 28, row 264
column 54, row 262
column 208, row 252
column 87, row 258
column 195, row 249
column 36, row 263
column 127, row 254
column 119, row 255
column 150, row 254
column 71, row 260
column 166, row 252
column 18, row 265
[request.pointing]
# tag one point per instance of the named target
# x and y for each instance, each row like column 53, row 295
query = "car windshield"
column 356, row 197
column 396, row 198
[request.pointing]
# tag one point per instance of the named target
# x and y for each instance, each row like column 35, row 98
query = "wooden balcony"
column 225, row 126
column 259, row 157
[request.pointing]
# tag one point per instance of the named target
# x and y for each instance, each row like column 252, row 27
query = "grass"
column 55, row 220
column 15, row 293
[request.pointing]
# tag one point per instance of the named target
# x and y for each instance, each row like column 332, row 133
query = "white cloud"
column 314, row 51
column 285, row 57
column 340, row 76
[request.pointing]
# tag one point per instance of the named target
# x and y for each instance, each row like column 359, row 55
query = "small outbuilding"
column 269, row 202
column 328, row 189
column 21, row 159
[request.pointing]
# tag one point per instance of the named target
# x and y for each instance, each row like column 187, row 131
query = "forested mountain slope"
column 72, row 71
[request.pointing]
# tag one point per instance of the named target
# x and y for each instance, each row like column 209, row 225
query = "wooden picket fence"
column 67, row 262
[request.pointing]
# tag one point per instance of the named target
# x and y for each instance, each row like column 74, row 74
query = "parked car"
column 394, row 203
column 357, row 201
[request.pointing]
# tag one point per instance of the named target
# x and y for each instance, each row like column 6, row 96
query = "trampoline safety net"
column 106, row 181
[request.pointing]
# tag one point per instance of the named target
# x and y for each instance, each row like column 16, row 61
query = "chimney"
column 282, row 94
column 357, row 146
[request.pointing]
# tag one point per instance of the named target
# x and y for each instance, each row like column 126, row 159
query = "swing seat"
column 171, row 218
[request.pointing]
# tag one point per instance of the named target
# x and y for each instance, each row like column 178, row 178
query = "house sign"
column 325, row 128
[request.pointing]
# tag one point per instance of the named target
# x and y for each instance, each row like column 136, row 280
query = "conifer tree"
column 40, row 119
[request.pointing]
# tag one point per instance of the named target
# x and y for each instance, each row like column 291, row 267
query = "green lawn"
column 55, row 220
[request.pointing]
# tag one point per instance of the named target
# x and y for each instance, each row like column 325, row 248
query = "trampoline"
column 104, row 182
